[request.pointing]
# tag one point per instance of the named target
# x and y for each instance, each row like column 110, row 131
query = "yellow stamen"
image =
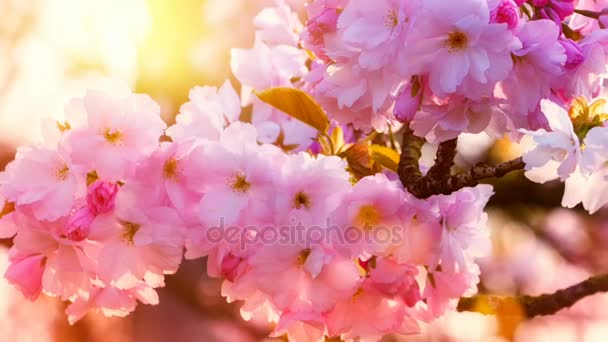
column 170, row 169
column 368, row 217
column 391, row 20
column 129, row 231
column 457, row 41
column 113, row 137
column 62, row 173
column 301, row 200
column 303, row 256
column 239, row 183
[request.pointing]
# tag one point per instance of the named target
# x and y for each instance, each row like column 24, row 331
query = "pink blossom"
column 374, row 33
column 137, row 244
column 375, row 203
column 101, row 196
column 207, row 114
column 278, row 25
column 457, row 46
column 540, row 59
column 43, row 181
column 121, row 129
column 352, row 95
column 311, row 188
column 465, row 233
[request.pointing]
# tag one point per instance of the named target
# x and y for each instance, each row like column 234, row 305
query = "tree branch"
column 439, row 180
column 532, row 306
column 444, row 160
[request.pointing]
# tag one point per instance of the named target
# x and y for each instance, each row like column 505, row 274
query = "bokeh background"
column 51, row 50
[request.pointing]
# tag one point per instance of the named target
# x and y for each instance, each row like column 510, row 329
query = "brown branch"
column 532, row 306
column 439, row 180
column 444, row 160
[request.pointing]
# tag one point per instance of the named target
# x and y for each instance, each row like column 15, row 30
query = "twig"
column 439, row 180
column 532, row 306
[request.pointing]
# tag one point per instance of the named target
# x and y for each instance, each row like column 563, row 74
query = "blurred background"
column 52, row 50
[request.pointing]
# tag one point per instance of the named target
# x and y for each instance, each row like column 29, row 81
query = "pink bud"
column 574, row 53
column 26, row 274
column 408, row 102
column 563, row 8
column 79, row 224
column 555, row 10
column 506, row 12
column 101, row 196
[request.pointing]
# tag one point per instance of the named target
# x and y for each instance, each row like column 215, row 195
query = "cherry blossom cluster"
column 102, row 212
column 113, row 199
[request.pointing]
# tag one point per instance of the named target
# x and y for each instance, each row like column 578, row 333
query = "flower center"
column 239, row 183
column 62, row 172
column 457, row 41
column 368, row 216
column 114, row 137
column 170, row 169
column 303, row 256
column 129, row 231
column 301, row 200
column 391, row 20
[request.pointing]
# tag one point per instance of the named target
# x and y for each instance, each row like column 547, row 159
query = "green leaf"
column 385, row 156
column 298, row 105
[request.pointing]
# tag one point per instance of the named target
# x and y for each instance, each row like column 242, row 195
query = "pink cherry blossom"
column 136, row 244
column 43, row 181
column 207, row 114
column 458, row 46
column 541, row 58
column 121, row 130
column 311, row 189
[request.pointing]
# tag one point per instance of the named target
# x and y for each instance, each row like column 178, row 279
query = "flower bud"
column 574, row 53
column 506, row 12
column 79, row 224
column 101, row 196
column 408, row 102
